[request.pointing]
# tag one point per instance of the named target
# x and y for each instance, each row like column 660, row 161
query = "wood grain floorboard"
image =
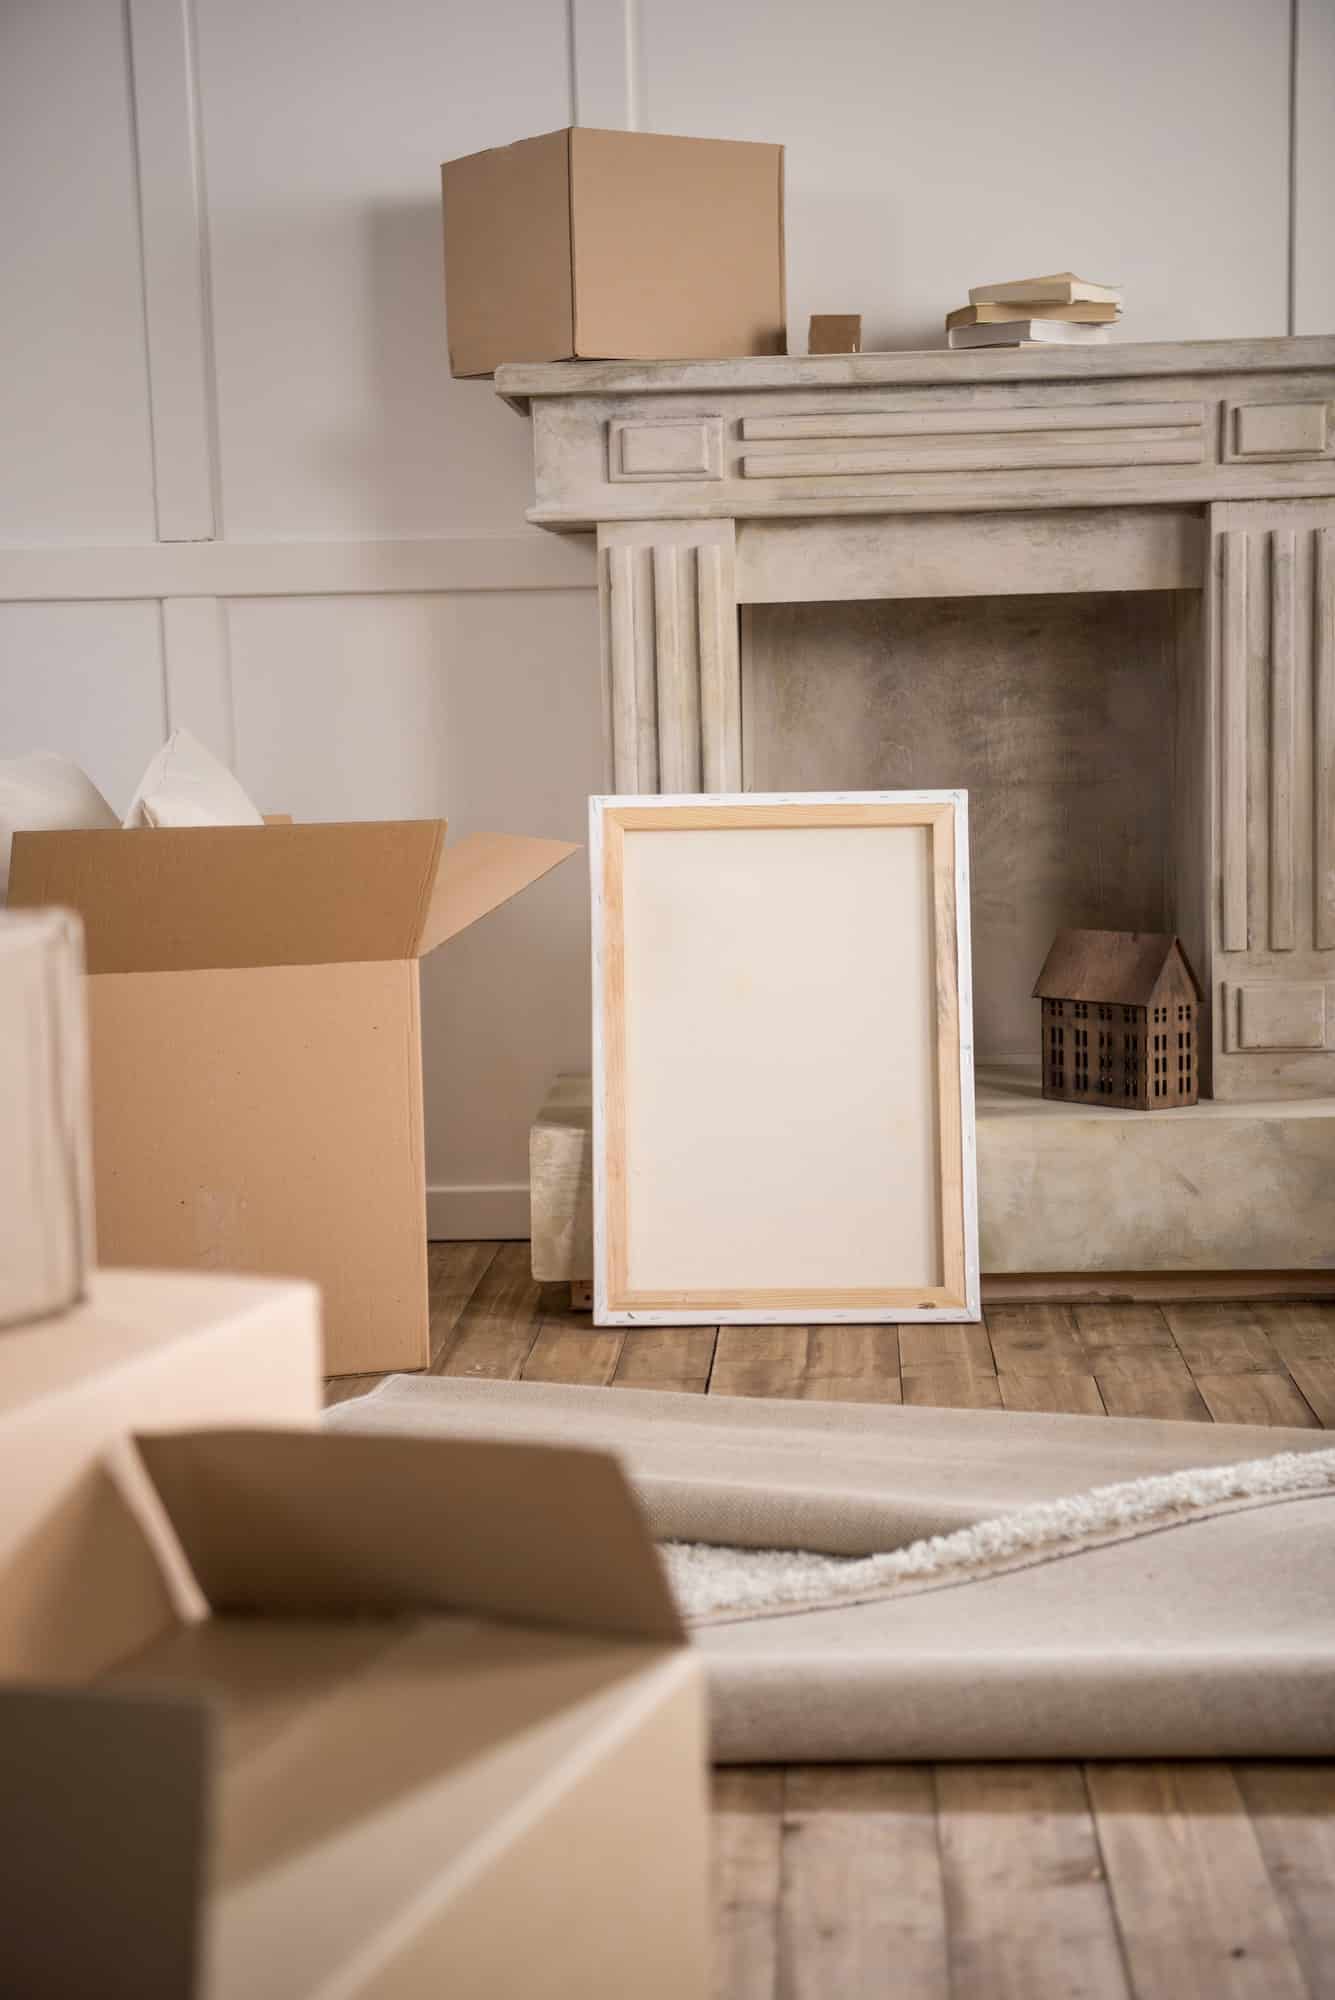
column 1292, row 1811
column 1027, row 1906
column 496, row 1330
column 1303, row 1336
column 1150, row 1383
column 1033, row 1339
column 748, row 1841
column 948, row 1367
column 667, row 1357
column 1223, row 1340
column 345, row 1388
column 862, row 1902
column 1198, row 1912
column 569, row 1347
column 1068, row 1394
column 454, row 1272
column 1220, row 1881
column 1258, row 1398
column 841, row 1364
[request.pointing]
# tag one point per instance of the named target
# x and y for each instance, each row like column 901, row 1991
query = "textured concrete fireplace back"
column 1059, row 715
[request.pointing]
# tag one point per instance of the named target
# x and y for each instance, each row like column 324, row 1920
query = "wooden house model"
column 1121, row 1022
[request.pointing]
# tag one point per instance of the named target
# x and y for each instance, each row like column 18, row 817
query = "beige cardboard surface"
column 413, row 1800
column 256, row 1047
column 46, row 1175
column 678, row 246
column 106, row 1792
column 269, row 1120
column 613, row 245
column 184, row 899
column 78, row 1584
column 326, row 1525
column 479, row 873
column 507, row 255
column 439, row 1804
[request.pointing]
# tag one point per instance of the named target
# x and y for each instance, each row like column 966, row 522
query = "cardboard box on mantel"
column 256, row 1047
column 613, row 246
column 457, row 1740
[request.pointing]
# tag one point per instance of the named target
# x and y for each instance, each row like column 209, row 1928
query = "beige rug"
column 876, row 1582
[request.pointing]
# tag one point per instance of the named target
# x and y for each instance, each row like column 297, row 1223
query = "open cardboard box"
column 457, row 1738
column 256, row 1047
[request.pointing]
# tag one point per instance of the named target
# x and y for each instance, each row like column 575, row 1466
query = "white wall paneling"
column 75, row 462
column 197, row 672
column 323, row 131
column 931, row 148
column 1313, row 166
column 506, row 1006
column 172, row 228
column 289, row 569
column 606, row 83
column 340, row 704
column 86, row 680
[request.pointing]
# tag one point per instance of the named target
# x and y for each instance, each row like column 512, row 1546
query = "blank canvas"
column 783, row 1096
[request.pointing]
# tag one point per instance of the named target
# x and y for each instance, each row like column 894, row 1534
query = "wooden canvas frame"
column 954, row 1293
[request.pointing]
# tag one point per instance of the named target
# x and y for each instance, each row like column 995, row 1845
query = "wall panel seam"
column 60, row 573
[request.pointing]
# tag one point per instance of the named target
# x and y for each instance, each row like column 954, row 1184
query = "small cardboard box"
column 626, row 246
column 256, row 1047
column 46, row 1178
column 458, row 1739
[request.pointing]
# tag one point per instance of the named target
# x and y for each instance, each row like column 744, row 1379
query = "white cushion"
column 44, row 793
column 186, row 785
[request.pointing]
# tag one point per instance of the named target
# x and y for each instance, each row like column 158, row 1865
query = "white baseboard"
column 485, row 1214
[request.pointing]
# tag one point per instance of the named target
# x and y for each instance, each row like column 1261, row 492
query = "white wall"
column 239, row 490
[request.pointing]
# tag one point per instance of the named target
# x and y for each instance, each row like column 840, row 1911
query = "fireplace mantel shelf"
column 918, row 367
column 793, row 439
column 1200, row 472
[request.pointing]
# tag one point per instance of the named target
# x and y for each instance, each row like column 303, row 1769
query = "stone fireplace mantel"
column 744, row 510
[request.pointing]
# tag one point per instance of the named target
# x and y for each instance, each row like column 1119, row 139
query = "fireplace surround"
column 1095, row 586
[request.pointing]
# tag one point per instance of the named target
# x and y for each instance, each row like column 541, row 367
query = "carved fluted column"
column 672, row 676
column 1273, row 664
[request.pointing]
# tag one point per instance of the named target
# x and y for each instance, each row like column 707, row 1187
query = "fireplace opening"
column 1069, row 719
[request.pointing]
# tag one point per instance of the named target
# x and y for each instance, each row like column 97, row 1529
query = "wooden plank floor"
column 989, row 1881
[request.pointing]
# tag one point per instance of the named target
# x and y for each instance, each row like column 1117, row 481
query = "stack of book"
column 1029, row 312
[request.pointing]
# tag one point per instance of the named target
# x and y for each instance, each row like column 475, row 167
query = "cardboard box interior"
column 458, row 1734
column 256, row 1047
column 606, row 245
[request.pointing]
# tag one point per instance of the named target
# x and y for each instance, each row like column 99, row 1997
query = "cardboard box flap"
column 93, row 1583
column 323, row 1524
column 187, row 899
column 480, row 873
column 102, row 1826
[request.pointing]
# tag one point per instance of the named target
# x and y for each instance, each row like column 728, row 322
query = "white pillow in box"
column 44, row 793
column 186, row 785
